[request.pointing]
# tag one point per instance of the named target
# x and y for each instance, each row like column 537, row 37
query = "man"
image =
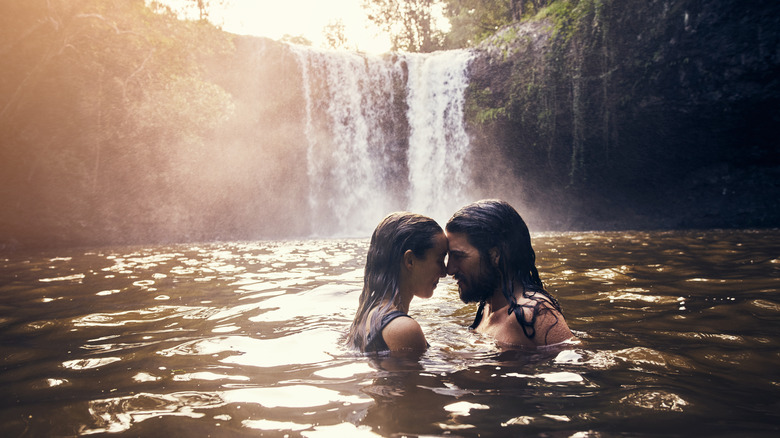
column 491, row 257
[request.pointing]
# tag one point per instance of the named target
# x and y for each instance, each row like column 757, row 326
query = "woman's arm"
column 404, row 334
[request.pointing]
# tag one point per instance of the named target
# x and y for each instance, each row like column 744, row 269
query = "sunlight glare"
column 307, row 18
column 298, row 18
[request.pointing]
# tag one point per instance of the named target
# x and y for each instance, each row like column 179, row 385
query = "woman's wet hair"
column 395, row 234
column 493, row 223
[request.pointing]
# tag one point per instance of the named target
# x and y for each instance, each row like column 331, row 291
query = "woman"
column 405, row 260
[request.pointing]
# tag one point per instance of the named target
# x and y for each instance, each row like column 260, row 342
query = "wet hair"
column 395, row 234
column 492, row 223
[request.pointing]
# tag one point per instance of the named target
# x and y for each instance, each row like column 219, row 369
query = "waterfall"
column 438, row 143
column 384, row 133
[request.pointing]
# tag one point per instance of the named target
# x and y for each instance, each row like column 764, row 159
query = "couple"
column 491, row 257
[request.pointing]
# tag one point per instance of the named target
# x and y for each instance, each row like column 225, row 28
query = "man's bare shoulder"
column 551, row 326
column 503, row 327
column 548, row 324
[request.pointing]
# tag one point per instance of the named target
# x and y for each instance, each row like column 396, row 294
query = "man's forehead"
column 458, row 242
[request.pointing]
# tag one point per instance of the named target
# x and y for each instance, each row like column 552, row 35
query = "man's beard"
column 481, row 287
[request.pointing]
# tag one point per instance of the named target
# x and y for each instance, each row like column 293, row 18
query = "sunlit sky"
column 307, row 18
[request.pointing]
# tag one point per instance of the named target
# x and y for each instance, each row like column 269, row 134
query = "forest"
column 121, row 124
column 104, row 112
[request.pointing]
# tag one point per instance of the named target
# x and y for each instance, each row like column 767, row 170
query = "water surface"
column 678, row 335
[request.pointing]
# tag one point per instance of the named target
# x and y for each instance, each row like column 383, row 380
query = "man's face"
column 477, row 278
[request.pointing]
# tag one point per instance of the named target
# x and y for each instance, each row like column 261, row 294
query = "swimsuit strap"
column 374, row 340
column 527, row 326
column 478, row 317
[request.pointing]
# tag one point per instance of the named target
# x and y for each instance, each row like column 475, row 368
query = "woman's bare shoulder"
column 404, row 333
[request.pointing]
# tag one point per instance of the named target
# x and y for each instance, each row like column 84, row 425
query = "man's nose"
column 451, row 268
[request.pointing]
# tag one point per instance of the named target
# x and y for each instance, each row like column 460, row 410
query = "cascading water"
column 385, row 133
column 438, row 142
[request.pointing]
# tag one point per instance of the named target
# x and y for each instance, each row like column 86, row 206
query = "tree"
column 202, row 7
column 474, row 20
column 104, row 114
column 411, row 24
column 295, row 39
column 335, row 34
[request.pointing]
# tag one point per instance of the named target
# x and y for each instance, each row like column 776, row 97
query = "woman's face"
column 430, row 268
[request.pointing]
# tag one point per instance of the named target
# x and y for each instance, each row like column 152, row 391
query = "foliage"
column 100, row 101
column 188, row 8
column 472, row 21
column 295, row 39
column 335, row 34
column 411, row 24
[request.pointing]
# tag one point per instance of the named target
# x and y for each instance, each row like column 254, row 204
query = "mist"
column 123, row 127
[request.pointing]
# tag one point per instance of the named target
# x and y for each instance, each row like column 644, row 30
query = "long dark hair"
column 493, row 223
column 395, row 234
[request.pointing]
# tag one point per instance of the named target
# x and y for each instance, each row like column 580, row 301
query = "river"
column 677, row 331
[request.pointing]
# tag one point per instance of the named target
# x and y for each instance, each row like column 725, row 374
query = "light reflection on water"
column 678, row 334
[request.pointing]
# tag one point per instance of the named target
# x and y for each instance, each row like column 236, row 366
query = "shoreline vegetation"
column 119, row 125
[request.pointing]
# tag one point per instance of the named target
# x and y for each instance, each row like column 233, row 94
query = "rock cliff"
column 633, row 114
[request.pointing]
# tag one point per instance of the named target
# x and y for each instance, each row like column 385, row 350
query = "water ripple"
column 677, row 334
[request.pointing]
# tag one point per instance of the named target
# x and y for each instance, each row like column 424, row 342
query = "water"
column 678, row 336
column 438, row 143
column 384, row 133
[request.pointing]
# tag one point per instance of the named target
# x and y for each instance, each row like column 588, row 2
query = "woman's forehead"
column 440, row 243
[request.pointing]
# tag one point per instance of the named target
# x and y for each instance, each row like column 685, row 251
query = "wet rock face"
column 637, row 114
